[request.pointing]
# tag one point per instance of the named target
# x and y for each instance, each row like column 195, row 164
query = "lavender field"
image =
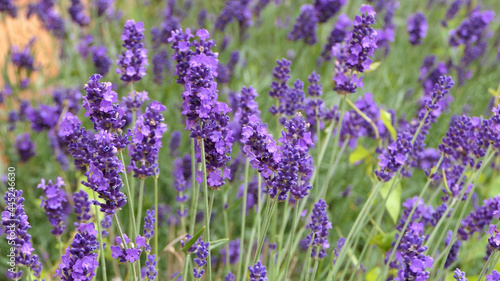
column 250, row 140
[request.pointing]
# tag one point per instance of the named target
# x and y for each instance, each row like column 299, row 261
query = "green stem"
column 185, row 273
column 125, row 244
column 207, row 207
column 295, row 218
column 243, row 218
column 194, row 187
column 139, row 208
column 364, row 116
column 256, row 227
column 305, row 272
column 315, row 270
column 131, row 196
column 272, row 207
column 157, row 230
column 60, row 245
column 101, row 248
column 226, row 227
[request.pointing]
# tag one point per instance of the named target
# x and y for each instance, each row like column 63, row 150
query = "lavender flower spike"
column 55, row 204
column 305, row 26
column 319, row 226
column 417, row 28
column 325, row 9
column 146, row 143
column 6, row 6
column 133, row 61
column 258, row 272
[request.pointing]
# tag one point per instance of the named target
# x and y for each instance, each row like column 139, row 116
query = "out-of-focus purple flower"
column 258, row 272
column 325, row 9
column 101, row 60
column 180, row 184
column 259, row 6
column 452, row 11
column 229, row 277
column 161, row 63
column 336, row 251
column 175, row 142
column 24, row 59
column 79, row 262
column 247, row 106
column 77, row 139
column 133, row 61
column 69, row 98
column 455, row 248
column 146, row 143
column 355, row 54
column 306, row 25
column 126, row 251
column 25, row 147
column 471, row 30
column 395, row 157
column 76, row 11
column 81, row 207
column 430, row 71
column 337, row 35
column 202, row 17
column 160, row 35
column 459, row 275
column 422, row 213
column 417, row 28
column 290, row 100
column 252, row 193
column 102, row 6
column 234, row 252
column 494, row 276
column 149, row 224
column 16, row 225
column 42, row 118
column 106, row 223
column 6, row 6
column 319, row 225
column 55, row 204
column 238, row 10
column 47, row 14
column 479, row 218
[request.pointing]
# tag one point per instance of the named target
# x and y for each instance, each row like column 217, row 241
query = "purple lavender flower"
column 44, row 117
column 259, row 6
column 253, row 193
column 355, row 54
column 306, row 25
column 471, row 30
column 101, row 60
column 151, row 267
column 229, row 277
column 417, row 28
column 325, row 9
column 161, row 63
column 146, row 143
column 455, row 248
column 55, row 204
column 149, row 224
column 201, row 258
column 281, row 75
column 135, row 100
column 494, row 276
column 238, row 10
column 479, row 218
column 77, row 139
column 452, row 11
column 6, row 6
column 319, row 226
column 395, row 157
column 247, row 106
column 422, row 213
column 126, row 251
column 76, row 11
column 79, row 261
column 133, row 61
column 16, row 225
column 47, row 14
column 234, row 252
column 459, row 275
column 81, row 207
column 103, row 6
column 260, row 147
column 24, row 59
column 161, row 34
column 258, row 272
column 175, row 142
column 336, row 251
column 295, row 166
column 180, row 184
column 101, row 105
column 106, row 223
column 104, row 171
column 25, row 147
column 69, row 98
column 202, row 17
column 410, row 254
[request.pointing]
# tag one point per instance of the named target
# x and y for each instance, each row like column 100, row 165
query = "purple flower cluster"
column 81, row 207
column 101, row 105
column 151, row 267
column 76, row 11
column 102, row 62
column 306, row 25
column 79, row 262
column 201, row 250
column 479, row 219
column 126, row 251
column 417, row 28
column 25, row 147
column 77, row 139
column 6, row 6
column 494, row 276
column 337, row 36
column 319, row 226
column 395, row 157
column 47, row 14
column 459, row 275
column 238, row 10
column 103, row 175
column 133, row 61
column 180, row 183
column 258, row 272
column 295, row 167
column 411, row 255
column 24, row 59
column 325, row 9
column 146, row 143
column 15, row 225
column 55, row 204
column 161, row 63
column 231, row 252
column 355, row 54
column 149, row 224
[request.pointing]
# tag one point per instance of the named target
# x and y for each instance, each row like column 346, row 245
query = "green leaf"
column 217, row 243
column 383, row 241
column 387, row 120
column 373, row 274
column 235, row 204
column 193, row 240
column 358, row 154
column 393, row 204
column 373, row 66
